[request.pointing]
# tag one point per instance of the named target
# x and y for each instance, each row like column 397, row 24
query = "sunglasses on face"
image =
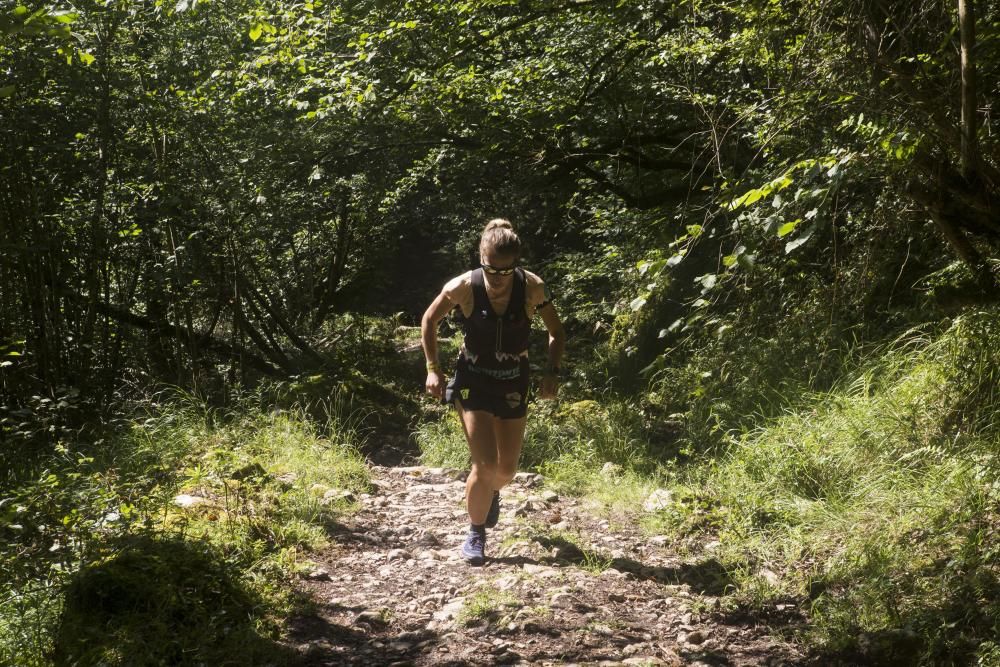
column 494, row 271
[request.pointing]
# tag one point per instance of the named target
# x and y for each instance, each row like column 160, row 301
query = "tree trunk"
column 328, row 291
column 970, row 146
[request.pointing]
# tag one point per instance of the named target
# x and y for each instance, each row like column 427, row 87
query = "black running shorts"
column 505, row 402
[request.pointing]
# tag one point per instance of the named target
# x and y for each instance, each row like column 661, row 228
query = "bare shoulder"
column 532, row 279
column 458, row 292
column 458, row 286
column 535, row 291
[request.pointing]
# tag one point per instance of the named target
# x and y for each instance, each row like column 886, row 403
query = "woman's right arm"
column 428, row 338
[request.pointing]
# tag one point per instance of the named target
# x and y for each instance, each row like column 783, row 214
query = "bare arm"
column 428, row 339
column 557, row 344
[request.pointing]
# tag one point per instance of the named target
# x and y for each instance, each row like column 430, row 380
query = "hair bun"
column 498, row 223
column 499, row 237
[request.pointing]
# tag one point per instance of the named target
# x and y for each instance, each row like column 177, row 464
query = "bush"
column 232, row 498
column 877, row 503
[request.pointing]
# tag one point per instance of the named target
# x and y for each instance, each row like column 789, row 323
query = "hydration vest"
column 496, row 346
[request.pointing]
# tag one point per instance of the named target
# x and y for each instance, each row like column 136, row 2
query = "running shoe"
column 474, row 548
column 493, row 516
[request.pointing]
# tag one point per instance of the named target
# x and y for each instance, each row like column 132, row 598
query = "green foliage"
column 729, row 201
column 485, row 605
column 442, row 442
column 190, row 521
column 873, row 501
column 164, row 601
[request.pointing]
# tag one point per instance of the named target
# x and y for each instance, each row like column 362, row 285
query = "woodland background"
column 770, row 226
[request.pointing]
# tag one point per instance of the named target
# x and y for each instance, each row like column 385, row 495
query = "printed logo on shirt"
column 465, row 394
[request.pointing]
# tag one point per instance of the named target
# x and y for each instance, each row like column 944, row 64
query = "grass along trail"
column 560, row 586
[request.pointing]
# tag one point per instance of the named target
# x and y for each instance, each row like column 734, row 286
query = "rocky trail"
column 560, row 586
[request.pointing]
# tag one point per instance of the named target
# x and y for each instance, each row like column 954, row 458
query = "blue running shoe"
column 493, row 516
column 474, row 548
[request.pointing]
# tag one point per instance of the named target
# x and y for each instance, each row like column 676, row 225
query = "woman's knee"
column 505, row 471
column 485, row 468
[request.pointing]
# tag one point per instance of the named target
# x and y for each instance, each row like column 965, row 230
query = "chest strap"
column 481, row 306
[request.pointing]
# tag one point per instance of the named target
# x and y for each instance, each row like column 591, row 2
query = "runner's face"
column 498, row 262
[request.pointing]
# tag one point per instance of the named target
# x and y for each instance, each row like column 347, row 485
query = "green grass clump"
column 442, row 441
column 571, row 547
column 485, row 605
column 103, row 563
column 877, row 504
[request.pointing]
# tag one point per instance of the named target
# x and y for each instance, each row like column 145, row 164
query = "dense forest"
column 771, row 228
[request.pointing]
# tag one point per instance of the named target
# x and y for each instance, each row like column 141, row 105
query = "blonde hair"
column 499, row 238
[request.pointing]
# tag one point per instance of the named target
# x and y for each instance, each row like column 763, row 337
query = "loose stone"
column 695, row 637
column 372, row 618
column 185, row 500
column 610, row 469
column 658, row 500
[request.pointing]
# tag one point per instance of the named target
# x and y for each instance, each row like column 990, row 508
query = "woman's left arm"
column 557, row 344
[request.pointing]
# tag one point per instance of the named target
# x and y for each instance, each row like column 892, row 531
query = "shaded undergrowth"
column 173, row 540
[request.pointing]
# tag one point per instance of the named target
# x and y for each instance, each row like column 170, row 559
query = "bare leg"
column 509, row 434
column 479, row 433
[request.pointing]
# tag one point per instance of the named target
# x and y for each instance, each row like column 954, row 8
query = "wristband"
column 432, row 367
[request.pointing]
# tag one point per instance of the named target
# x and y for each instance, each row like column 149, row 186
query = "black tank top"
column 496, row 345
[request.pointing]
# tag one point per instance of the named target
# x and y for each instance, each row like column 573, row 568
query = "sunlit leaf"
column 805, row 236
column 787, row 228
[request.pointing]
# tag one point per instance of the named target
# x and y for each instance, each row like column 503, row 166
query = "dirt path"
column 560, row 587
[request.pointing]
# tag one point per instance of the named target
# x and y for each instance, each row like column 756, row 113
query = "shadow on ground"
column 707, row 577
column 164, row 601
column 329, row 643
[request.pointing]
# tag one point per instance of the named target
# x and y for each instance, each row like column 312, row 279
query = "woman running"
column 490, row 387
